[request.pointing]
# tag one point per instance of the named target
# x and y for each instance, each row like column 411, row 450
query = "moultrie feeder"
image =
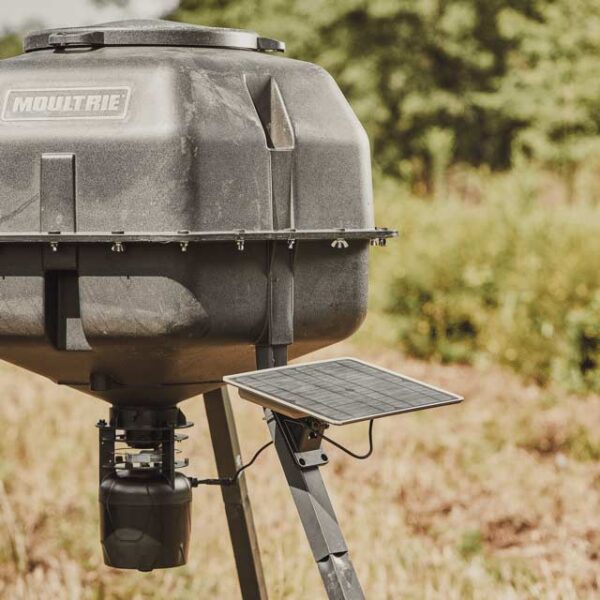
column 182, row 206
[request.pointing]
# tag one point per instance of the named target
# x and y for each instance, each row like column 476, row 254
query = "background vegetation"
column 511, row 280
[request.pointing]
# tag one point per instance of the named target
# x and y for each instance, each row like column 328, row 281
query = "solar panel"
column 338, row 391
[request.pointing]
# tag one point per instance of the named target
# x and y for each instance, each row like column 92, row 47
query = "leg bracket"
column 303, row 438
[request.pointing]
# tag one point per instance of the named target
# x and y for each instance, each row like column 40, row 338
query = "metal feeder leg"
column 237, row 502
column 314, row 506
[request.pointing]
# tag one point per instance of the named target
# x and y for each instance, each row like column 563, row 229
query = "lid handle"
column 267, row 44
column 87, row 38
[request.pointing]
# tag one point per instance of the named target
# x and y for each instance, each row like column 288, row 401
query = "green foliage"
column 513, row 282
column 10, row 45
column 551, row 85
column 471, row 544
column 108, row 2
column 581, row 368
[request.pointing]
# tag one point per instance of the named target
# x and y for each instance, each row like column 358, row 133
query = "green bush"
column 10, row 45
column 510, row 281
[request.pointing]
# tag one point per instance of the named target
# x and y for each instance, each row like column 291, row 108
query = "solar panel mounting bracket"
column 303, row 438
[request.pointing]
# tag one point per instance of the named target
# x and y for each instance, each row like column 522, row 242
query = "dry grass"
column 496, row 498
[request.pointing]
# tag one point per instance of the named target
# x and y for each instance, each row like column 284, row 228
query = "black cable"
column 230, row 480
column 352, row 454
column 249, row 464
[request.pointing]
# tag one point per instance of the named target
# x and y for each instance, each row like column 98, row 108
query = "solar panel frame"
column 387, row 381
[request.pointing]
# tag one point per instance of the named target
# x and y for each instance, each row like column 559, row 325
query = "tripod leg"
column 313, row 504
column 320, row 523
column 237, row 502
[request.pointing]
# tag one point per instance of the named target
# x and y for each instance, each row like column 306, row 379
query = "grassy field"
column 494, row 498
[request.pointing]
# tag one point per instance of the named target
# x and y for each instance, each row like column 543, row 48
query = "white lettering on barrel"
column 93, row 102
column 113, row 103
column 23, row 104
column 55, row 103
column 78, row 101
column 66, row 103
column 40, row 103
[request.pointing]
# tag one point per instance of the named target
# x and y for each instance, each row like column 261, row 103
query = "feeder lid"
column 149, row 32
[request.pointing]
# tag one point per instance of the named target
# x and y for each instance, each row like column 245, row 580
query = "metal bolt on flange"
column 340, row 244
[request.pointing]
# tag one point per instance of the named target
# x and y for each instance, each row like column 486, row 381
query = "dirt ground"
column 495, row 498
